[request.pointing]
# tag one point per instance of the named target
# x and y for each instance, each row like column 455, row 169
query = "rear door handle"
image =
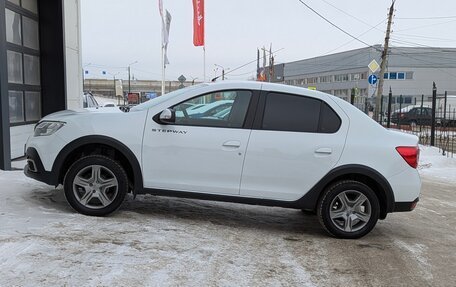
column 232, row 144
column 324, row 150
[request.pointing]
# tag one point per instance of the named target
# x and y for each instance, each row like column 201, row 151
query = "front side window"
column 220, row 109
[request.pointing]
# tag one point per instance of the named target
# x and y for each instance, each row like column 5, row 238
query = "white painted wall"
column 19, row 136
column 73, row 60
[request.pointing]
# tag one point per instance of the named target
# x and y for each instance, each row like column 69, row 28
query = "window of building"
column 398, row 75
column 31, row 36
column 325, row 79
column 23, row 61
column 342, row 93
column 341, row 78
column 30, row 5
column 14, row 60
column 16, row 106
column 13, row 27
column 312, row 80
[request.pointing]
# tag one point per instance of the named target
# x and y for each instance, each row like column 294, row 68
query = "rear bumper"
column 34, row 168
column 405, row 206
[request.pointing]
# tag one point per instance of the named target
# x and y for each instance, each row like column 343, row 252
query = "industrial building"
column 40, row 67
column 410, row 72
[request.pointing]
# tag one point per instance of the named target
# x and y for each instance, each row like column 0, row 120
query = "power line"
column 425, row 18
column 373, row 27
column 424, row 37
column 425, row 26
column 352, row 16
column 246, row 64
column 337, row 27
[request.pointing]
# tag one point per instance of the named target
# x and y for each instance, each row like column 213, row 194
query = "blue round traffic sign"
column 372, row 79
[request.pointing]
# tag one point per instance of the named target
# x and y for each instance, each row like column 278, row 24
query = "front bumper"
column 34, row 168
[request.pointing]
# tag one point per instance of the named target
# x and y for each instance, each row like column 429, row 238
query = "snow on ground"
column 159, row 241
column 433, row 164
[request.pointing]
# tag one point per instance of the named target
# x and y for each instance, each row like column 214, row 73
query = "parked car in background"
column 207, row 110
column 415, row 116
column 278, row 145
column 89, row 101
column 109, row 105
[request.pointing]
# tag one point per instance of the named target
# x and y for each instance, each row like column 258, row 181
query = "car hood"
column 61, row 115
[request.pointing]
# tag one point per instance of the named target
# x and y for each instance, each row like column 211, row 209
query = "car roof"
column 266, row 86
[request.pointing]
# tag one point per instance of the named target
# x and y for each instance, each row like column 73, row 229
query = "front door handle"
column 324, row 150
column 232, row 144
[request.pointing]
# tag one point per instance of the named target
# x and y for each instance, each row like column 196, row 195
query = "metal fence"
column 432, row 118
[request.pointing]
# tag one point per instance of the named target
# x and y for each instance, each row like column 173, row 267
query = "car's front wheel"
column 95, row 185
column 348, row 209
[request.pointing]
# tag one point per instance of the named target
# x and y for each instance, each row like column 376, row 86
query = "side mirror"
column 168, row 116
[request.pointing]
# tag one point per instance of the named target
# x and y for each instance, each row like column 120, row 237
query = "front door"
column 204, row 150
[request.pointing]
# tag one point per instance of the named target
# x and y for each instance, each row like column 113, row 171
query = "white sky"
column 116, row 33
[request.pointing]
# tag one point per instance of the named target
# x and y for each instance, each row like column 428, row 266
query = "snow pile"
column 435, row 165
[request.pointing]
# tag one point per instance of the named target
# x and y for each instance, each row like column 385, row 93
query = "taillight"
column 410, row 154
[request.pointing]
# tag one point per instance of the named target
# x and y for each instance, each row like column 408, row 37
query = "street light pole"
column 83, row 76
column 129, row 78
column 114, row 76
column 223, row 71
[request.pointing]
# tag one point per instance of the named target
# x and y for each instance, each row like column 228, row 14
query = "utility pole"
column 129, row 80
column 434, row 98
column 383, row 64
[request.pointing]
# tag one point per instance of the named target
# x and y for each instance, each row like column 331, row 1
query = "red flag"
column 198, row 22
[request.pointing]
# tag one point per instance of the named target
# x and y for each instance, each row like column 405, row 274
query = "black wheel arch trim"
column 310, row 199
column 97, row 139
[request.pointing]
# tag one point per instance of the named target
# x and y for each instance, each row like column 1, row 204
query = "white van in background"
column 448, row 114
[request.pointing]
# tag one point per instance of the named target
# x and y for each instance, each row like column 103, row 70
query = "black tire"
column 330, row 199
column 107, row 166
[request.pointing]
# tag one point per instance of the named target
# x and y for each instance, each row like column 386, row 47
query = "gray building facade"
column 410, row 72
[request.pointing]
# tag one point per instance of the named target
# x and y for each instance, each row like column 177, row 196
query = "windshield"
column 165, row 97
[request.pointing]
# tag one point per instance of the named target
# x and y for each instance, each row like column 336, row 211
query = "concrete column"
column 73, row 49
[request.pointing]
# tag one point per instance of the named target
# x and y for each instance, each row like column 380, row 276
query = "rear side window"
column 291, row 113
column 284, row 112
column 329, row 120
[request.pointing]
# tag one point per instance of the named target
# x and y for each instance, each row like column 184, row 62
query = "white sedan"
column 277, row 146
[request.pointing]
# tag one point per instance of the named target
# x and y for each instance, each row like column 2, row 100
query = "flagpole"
column 204, row 63
column 163, row 68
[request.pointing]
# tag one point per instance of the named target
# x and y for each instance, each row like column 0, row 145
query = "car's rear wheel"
column 348, row 209
column 95, row 185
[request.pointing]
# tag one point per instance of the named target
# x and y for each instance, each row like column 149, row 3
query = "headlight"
column 47, row 128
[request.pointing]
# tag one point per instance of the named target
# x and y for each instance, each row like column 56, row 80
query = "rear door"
column 295, row 141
